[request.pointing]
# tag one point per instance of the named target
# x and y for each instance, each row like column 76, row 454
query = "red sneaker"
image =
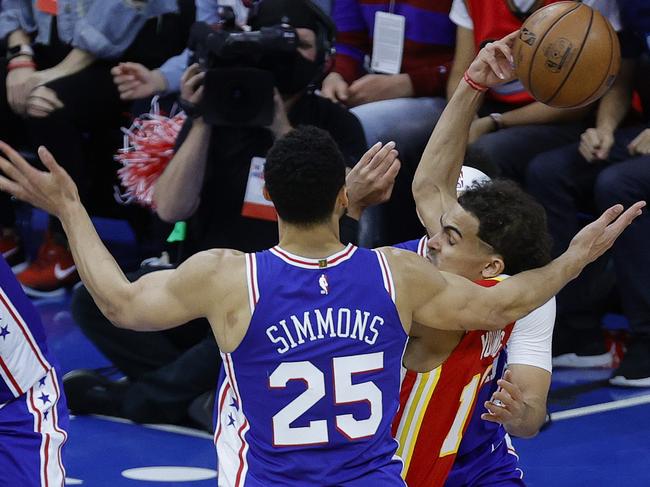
column 13, row 252
column 51, row 272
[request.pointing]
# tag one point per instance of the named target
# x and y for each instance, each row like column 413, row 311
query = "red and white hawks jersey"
column 435, row 407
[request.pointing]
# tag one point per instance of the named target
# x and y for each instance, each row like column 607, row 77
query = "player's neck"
column 314, row 242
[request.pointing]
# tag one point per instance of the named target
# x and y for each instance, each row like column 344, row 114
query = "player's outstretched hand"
column 371, row 181
column 507, row 405
column 52, row 190
column 494, row 63
column 596, row 238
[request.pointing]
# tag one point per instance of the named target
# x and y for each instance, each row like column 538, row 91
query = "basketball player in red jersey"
column 494, row 229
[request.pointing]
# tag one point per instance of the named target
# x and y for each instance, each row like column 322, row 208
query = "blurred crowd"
column 76, row 71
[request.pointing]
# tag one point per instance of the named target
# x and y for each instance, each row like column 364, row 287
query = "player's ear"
column 342, row 198
column 266, row 194
column 494, row 267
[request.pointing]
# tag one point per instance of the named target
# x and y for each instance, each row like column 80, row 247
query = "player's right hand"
column 335, row 88
column 52, row 190
column 494, row 64
column 596, row 238
column 595, row 144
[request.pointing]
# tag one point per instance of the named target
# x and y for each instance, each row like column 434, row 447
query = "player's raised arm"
column 434, row 185
column 446, row 301
column 156, row 301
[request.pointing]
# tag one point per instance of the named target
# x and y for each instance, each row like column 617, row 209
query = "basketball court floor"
column 600, row 435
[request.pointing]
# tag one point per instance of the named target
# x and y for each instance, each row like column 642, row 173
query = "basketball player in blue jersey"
column 312, row 332
column 33, row 411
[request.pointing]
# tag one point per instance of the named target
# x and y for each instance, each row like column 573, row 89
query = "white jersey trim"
column 242, row 462
column 387, row 276
column 422, row 246
column 309, row 263
column 52, row 437
column 22, row 361
column 251, row 281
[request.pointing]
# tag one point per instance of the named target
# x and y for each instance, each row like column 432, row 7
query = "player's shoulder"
column 222, row 262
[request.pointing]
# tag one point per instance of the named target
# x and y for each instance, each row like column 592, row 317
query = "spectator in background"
column 610, row 163
column 61, row 83
column 398, row 97
column 135, row 81
column 512, row 127
column 205, row 183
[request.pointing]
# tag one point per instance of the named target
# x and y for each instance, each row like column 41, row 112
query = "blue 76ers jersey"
column 24, row 358
column 308, row 397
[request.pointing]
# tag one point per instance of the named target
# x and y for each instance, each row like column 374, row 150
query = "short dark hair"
column 511, row 221
column 304, row 173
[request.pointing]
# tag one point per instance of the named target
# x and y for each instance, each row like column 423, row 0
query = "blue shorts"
column 32, row 434
column 496, row 465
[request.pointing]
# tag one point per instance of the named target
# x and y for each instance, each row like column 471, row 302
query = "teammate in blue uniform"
column 304, row 410
column 33, row 411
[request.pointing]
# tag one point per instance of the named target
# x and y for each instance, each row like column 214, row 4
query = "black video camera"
column 240, row 66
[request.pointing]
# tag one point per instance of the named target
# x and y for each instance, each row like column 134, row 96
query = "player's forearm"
column 442, row 158
column 100, row 273
column 519, row 295
column 617, row 101
column 177, row 191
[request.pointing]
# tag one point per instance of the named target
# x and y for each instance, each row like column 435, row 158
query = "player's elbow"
column 172, row 211
column 496, row 319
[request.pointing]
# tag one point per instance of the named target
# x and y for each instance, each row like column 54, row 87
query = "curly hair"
column 511, row 221
column 304, row 173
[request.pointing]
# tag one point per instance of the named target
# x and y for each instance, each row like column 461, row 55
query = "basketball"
column 567, row 55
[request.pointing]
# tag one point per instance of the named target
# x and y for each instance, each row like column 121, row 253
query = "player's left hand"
column 494, row 63
column 507, row 405
column 641, row 144
column 371, row 181
column 52, row 190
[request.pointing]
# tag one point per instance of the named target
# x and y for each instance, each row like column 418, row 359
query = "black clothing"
column 218, row 222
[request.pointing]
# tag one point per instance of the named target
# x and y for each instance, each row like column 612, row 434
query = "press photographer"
column 243, row 69
column 206, row 181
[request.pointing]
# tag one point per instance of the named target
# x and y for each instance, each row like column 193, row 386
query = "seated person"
column 610, row 162
column 511, row 127
column 400, row 102
column 205, row 184
column 61, row 84
column 135, row 81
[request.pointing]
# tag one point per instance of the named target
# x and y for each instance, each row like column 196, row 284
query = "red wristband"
column 474, row 84
column 20, row 64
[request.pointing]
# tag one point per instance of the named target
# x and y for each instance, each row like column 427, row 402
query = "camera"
column 242, row 69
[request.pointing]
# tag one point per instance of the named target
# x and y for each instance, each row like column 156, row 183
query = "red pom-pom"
column 148, row 148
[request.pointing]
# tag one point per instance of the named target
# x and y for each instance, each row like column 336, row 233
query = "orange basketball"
column 567, row 55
